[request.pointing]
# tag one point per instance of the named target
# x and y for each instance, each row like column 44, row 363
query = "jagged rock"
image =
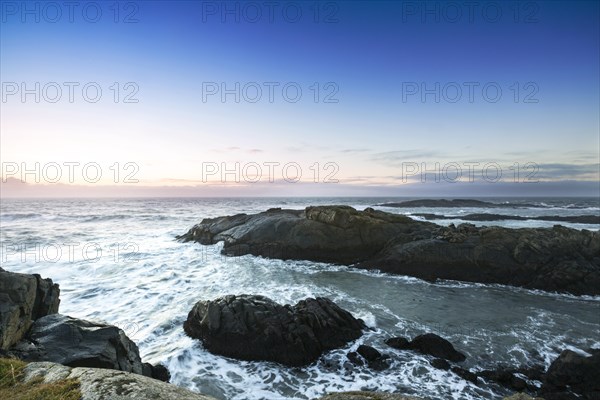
column 454, row 203
column 369, row 353
column 375, row 359
column 367, row 396
column 78, row 343
column 256, row 328
column 399, row 343
column 578, row 219
column 465, row 374
column 553, row 259
column 428, row 343
column 23, row 299
column 104, row 384
column 440, row 363
column 572, row 376
column 355, row 358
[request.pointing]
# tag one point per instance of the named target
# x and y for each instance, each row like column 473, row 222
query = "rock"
column 375, row 359
column 507, row 377
column 554, row 259
column 102, row 384
column 256, row 328
column 578, row 219
column 440, row 363
column 78, row 343
column 369, row 353
column 338, row 234
column 157, row 371
column 23, row 299
column 465, row 374
column 355, row 358
column 454, row 203
column 573, row 373
column 522, row 396
column 367, row 396
column 399, row 343
column 436, row 346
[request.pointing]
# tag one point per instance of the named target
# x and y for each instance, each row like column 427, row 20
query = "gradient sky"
column 368, row 50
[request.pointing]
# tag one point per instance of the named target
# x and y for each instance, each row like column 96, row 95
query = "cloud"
column 557, row 171
column 397, row 157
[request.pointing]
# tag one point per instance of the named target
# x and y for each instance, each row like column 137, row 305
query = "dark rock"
column 554, row 259
column 256, row 328
column 355, row 358
column 23, row 299
column 157, row 371
column 440, row 363
column 399, row 343
column 572, row 373
column 78, row 343
column 436, row 346
column 465, row 374
column 375, row 359
column 506, row 377
column 454, row 203
column 369, row 353
column 577, row 219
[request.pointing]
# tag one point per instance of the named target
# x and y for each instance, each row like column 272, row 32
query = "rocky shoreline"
column 557, row 259
column 105, row 364
column 576, row 219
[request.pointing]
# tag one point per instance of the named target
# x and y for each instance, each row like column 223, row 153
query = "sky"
column 236, row 98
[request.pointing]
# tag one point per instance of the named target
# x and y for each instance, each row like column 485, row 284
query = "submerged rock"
column 256, row 328
column 553, row 259
column 23, row 299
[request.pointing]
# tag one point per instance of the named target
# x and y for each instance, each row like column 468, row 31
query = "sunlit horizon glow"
column 369, row 140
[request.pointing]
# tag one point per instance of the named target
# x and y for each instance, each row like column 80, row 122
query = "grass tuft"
column 12, row 386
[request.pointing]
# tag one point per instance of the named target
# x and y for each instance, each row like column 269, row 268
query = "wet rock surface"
column 557, row 259
column 256, row 328
column 23, row 299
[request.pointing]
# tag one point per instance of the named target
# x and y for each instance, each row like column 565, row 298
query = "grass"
column 12, row 386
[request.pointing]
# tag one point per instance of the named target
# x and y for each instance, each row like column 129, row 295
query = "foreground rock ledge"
column 557, row 259
column 255, row 328
column 102, row 384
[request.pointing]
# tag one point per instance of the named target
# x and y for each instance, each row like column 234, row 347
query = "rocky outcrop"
column 331, row 234
column 457, row 203
column 577, row 219
column 428, row 343
column 573, row 376
column 256, row 328
column 78, row 343
column 367, row 396
column 103, row 384
column 554, row 259
column 31, row 330
column 23, row 299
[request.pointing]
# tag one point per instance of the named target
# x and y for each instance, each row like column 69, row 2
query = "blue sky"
column 543, row 56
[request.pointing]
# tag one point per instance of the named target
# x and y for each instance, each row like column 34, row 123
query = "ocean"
column 117, row 261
